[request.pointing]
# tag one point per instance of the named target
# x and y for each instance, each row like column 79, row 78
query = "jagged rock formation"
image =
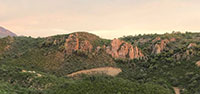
column 73, row 43
column 49, row 60
column 122, row 49
column 117, row 48
column 4, row 32
column 159, row 47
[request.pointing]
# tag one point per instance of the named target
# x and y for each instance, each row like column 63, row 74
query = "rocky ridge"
column 73, row 43
column 117, row 48
column 198, row 63
column 122, row 49
column 159, row 47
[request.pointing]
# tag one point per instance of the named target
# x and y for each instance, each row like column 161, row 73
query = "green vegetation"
column 40, row 65
column 48, row 55
column 109, row 85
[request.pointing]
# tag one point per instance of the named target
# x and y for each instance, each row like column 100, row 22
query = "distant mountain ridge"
column 5, row 32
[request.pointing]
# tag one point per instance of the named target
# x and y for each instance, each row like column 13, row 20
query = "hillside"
column 146, row 64
column 4, row 32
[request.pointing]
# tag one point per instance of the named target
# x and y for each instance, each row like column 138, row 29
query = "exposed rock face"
column 192, row 45
column 176, row 90
column 159, row 47
column 118, row 48
column 73, row 43
column 172, row 39
column 186, row 54
column 121, row 49
column 156, row 39
column 198, row 63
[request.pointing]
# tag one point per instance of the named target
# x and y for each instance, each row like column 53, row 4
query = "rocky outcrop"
column 176, row 90
column 187, row 54
column 172, row 39
column 192, row 45
column 198, row 63
column 159, row 47
column 156, row 39
column 122, row 49
column 73, row 43
column 117, row 48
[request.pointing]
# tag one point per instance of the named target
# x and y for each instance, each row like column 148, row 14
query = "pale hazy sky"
column 106, row 18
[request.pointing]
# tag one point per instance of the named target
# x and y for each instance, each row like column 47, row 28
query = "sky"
column 105, row 18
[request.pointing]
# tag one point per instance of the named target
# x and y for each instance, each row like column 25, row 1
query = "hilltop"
column 5, row 32
column 141, row 64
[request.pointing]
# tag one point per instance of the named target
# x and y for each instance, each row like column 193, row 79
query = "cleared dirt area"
column 103, row 70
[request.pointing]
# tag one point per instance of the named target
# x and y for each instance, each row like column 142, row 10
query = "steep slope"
column 121, row 49
column 4, row 32
column 172, row 58
column 5, row 44
column 148, row 63
column 51, row 54
column 176, row 43
column 64, row 54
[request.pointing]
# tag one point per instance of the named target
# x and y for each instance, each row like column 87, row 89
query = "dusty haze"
column 106, row 18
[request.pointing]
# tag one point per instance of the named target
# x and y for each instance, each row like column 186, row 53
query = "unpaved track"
column 103, row 70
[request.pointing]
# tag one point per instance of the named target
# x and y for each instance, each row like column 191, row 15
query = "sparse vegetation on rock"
column 146, row 64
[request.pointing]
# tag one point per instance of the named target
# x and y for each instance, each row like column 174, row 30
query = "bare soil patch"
column 111, row 71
